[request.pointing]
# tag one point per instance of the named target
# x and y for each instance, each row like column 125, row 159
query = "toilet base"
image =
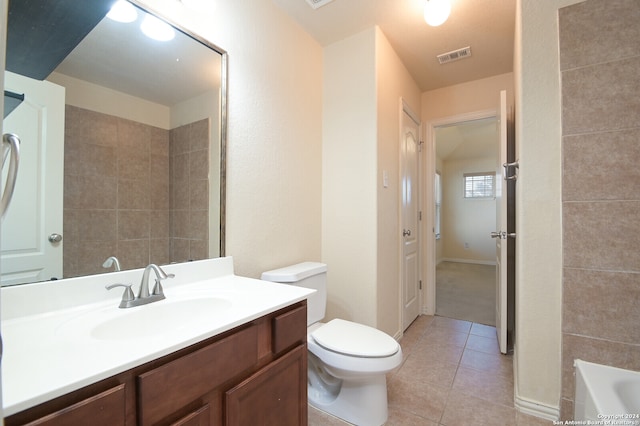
column 361, row 402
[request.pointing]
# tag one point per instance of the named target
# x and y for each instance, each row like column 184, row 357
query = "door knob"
column 55, row 238
column 496, row 234
column 406, row 232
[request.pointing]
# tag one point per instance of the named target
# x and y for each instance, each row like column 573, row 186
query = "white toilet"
column 347, row 361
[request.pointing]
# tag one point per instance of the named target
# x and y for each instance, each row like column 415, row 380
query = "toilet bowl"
column 347, row 362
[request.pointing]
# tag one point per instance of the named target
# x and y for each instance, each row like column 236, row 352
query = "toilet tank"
column 311, row 275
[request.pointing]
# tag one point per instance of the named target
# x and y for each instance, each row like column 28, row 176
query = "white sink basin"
column 144, row 322
column 605, row 393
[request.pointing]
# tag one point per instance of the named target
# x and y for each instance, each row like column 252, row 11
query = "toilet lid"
column 354, row 339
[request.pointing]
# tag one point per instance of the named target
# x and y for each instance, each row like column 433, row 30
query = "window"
column 479, row 185
column 438, row 197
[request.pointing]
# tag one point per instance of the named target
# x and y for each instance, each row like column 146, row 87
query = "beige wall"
column 601, row 195
column 467, row 220
column 478, row 95
column 393, row 82
column 363, row 86
column 349, row 175
column 90, row 96
column 274, row 154
column 538, row 208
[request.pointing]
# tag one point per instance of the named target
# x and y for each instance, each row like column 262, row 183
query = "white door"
column 35, row 212
column 501, row 228
column 409, row 148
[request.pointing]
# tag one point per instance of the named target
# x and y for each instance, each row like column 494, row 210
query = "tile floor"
column 452, row 374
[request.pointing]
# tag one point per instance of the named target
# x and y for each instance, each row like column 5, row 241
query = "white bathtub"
column 606, row 394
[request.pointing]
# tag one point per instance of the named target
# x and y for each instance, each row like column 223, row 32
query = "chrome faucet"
column 112, row 261
column 129, row 300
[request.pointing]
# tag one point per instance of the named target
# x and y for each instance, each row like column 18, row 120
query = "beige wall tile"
column 133, row 224
column 199, row 225
column 159, row 224
column 595, row 32
column 602, row 235
column 602, row 304
column 133, row 254
column 159, row 140
column 134, row 194
column 159, row 251
column 133, row 163
column 179, row 138
column 601, row 97
column 90, row 160
column 198, row 249
column 199, row 165
column 180, row 224
column 601, row 166
column 90, row 192
column 600, row 56
column 199, row 135
column 180, row 251
column 133, row 176
column 199, row 197
column 96, row 225
column 89, row 127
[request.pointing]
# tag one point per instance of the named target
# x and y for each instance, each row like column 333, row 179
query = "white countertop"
column 51, row 351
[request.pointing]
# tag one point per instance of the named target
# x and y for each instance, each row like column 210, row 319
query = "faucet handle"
column 127, row 296
column 164, row 275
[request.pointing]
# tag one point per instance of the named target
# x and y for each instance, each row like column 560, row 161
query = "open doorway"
column 465, row 216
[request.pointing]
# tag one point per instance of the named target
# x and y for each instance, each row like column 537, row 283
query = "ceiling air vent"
column 318, row 3
column 454, row 55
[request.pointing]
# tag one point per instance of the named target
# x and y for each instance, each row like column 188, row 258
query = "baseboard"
column 527, row 406
column 538, row 410
column 475, row 262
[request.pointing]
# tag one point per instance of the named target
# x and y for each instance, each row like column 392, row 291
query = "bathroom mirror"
column 122, row 143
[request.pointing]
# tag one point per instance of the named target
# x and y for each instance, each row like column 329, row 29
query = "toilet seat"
column 353, row 339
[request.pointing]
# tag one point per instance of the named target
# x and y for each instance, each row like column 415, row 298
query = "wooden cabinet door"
column 276, row 395
column 106, row 408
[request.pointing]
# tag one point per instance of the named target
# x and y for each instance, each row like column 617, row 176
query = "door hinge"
column 420, row 146
column 420, row 284
column 419, row 215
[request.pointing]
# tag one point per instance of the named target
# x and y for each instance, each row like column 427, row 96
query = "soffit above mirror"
column 54, row 30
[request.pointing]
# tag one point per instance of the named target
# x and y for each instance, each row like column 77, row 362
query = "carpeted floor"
column 466, row 291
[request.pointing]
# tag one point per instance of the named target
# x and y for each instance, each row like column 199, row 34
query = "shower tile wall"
column 600, row 59
column 190, row 191
column 117, row 193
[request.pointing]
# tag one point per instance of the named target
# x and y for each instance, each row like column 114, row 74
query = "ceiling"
column 111, row 56
column 485, row 25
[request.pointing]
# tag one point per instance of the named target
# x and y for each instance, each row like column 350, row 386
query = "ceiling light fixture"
column 436, row 12
column 123, row 11
column 156, row 29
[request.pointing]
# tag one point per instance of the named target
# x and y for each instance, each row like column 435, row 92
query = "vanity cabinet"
column 254, row 373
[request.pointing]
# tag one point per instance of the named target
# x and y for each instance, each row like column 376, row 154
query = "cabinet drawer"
column 197, row 418
column 276, row 395
column 172, row 386
column 106, row 408
column 289, row 328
